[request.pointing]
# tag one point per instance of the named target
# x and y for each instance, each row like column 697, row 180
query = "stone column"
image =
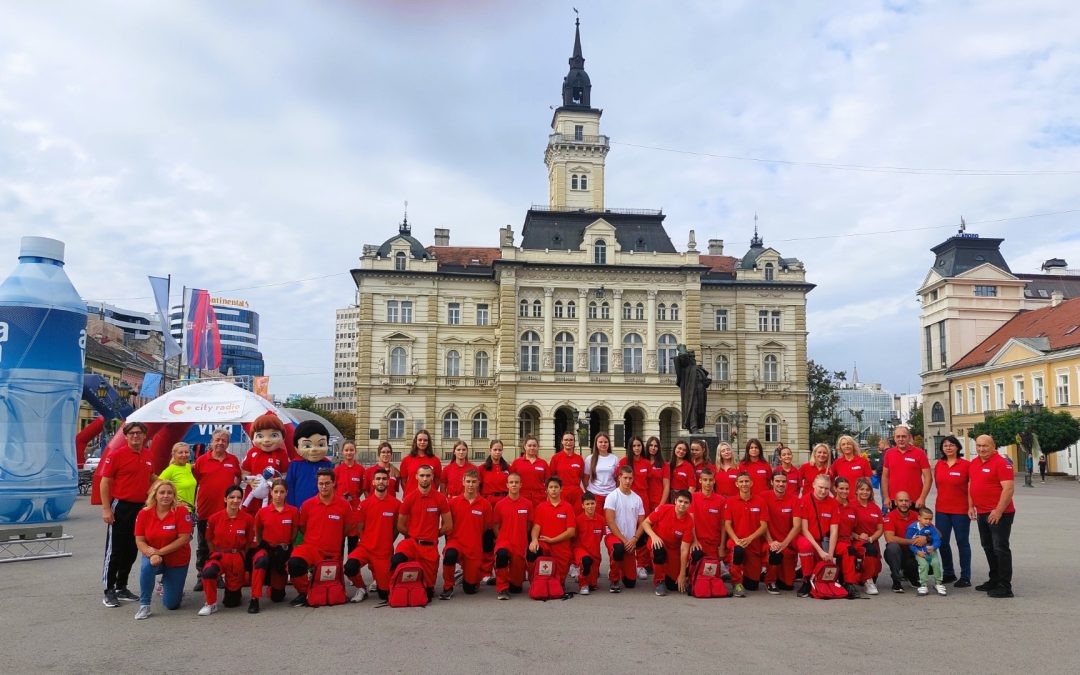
column 548, row 311
column 583, row 336
column 616, row 333
column 546, row 436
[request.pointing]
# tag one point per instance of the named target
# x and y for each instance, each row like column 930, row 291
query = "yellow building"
column 1035, row 356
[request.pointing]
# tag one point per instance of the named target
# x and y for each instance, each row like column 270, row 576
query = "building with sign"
column 239, row 328
column 574, row 323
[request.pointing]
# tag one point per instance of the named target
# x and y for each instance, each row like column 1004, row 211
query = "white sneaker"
column 922, row 590
column 940, row 588
column 207, row 610
column 584, row 590
column 359, row 596
column 574, row 572
column 372, row 587
column 871, row 587
column 143, row 613
column 641, row 573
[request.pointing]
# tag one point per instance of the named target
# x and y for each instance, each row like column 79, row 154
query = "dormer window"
column 770, row 272
column 399, row 261
column 600, row 252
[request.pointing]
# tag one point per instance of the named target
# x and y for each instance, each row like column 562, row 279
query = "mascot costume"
column 312, row 443
column 268, row 459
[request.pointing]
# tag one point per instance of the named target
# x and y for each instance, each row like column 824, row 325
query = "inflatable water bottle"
column 42, row 350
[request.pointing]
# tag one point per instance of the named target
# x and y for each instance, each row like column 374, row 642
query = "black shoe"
column 253, row 606
column 300, row 600
column 852, row 591
column 948, row 578
column 277, row 595
column 897, row 586
column 126, row 595
column 772, row 589
column 804, row 591
column 986, row 586
column 446, row 594
column 110, row 599
column 1000, row 592
column 784, row 587
column 962, row 583
column 198, row 586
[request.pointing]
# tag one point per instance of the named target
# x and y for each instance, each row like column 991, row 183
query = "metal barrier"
column 33, row 542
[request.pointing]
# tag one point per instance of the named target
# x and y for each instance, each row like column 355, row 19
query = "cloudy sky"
column 252, row 148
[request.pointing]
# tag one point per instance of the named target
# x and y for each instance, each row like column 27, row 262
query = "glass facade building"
column 239, row 327
column 862, row 409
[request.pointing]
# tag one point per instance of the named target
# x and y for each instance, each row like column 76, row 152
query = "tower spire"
column 576, row 59
column 405, row 228
column 756, row 242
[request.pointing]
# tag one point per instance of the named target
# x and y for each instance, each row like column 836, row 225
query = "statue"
column 693, row 382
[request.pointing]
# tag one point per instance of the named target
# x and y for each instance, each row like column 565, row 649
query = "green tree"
column 1053, row 431
column 915, row 421
column 344, row 422
column 825, row 424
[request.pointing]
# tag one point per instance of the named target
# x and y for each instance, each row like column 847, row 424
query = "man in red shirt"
column 472, row 518
column 325, row 520
column 125, row 480
column 782, row 509
column 707, row 509
column 513, row 515
column 898, row 553
column 553, row 529
column 745, row 520
column 819, row 513
column 671, row 532
column 991, row 486
column 214, row 471
column 425, row 516
column 377, row 516
column 905, row 469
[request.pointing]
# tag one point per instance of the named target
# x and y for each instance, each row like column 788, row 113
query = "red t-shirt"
column 452, row 477
column 425, row 513
column 569, row 468
column 214, row 476
column 657, row 475
column 277, row 526
column 640, row 486
column 794, row 479
column 470, row 520
column 725, row 480
column 130, row 472
column 808, row 472
column 554, row 519
column 325, row 525
column 369, row 480
column 410, row 465
column 820, row 515
column 781, row 512
column 905, row 471
column 672, row 529
column 745, row 515
column 897, row 522
column 379, row 519
column 847, row 522
column 708, row 515
column 160, row 532
column 698, row 468
column 952, row 486
column 224, row 533
column 854, row 469
column 986, row 480
column 493, row 481
column 682, row 476
column 589, row 533
column 256, row 460
column 761, row 473
column 533, row 476
column 513, row 516
column 867, row 518
column 349, row 482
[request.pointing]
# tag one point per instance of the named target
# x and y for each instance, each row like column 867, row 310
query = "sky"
column 253, row 148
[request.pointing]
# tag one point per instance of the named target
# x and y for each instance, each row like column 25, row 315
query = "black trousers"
column 120, row 550
column 901, row 562
column 995, row 543
column 202, row 550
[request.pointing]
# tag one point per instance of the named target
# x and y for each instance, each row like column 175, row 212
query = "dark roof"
column 957, row 255
column 1042, row 286
column 564, row 230
column 465, row 259
column 115, row 354
column 1047, row 329
column 416, row 249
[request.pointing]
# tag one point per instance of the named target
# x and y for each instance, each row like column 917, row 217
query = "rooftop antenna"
column 405, row 228
column 963, row 225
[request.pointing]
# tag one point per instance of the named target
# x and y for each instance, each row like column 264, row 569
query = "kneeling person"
column 465, row 544
column 425, row 516
column 513, row 523
column 553, row 529
column 378, row 516
column 671, row 532
column 325, row 520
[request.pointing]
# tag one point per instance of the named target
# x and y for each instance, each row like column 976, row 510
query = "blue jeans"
column 960, row 525
column 172, row 580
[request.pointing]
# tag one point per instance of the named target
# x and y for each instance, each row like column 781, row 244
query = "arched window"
column 450, row 425
column 592, row 309
column 772, row 429
column 721, row 373
column 571, row 309
column 723, row 424
column 770, row 272
column 558, row 309
column 665, row 353
column 480, row 425
column 481, row 364
column 564, row 353
column 639, row 312
column 523, row 308
column 772, row 368
column 538, row 309
column 530, row 352
column 453, row 363
column 573, row 182
column 598, row 353
column 600, row 252
column 632, row 348
column 661, row 312
column 937, row 413
column 627, row 311
column 396, row 425
column 674, row 311
column 399, row 361
column 605, row 310
column 399, row 260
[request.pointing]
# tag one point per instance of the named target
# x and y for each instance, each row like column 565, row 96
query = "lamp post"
column 1030, row 411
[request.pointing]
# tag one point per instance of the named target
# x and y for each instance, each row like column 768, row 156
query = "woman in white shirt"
column 601, row 470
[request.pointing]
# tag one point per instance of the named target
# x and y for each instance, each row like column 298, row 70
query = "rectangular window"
column 1018, row 390
column 1038, row 393
column 929, row 348
column 579, row 132
column 631, row 359
column 483, row 315
column 986, row 291
column 959, row 401
column 406, row 311
column 971, row 399
column 453, row 313
column 1061, row 392
column 941, row 343
column 564, row 359
column 775, row 321
column 763, row 320
column 721, row 319
column 986, row 397
column 598, row 359
column 999, row 395
column 391, row 311
column 530, row 358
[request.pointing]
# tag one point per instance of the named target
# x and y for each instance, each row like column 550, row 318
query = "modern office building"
column 239, row 328
column 135, row 325
column 346, row 359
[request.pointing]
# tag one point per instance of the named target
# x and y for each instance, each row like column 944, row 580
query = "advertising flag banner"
column 160, row 286
column 151, row 385
column 262, row 386
column 202, row 339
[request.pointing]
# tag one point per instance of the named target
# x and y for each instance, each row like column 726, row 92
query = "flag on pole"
column 202, row 339
column 160, row 286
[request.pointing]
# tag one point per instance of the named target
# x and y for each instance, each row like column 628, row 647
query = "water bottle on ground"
column 42, row 351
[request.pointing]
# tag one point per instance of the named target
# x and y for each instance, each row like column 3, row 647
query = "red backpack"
column 824, row 582
column 407, row 586
column 327, row 585
column 543, row 585
column 705, row 579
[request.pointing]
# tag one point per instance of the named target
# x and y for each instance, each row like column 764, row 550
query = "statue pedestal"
column 712, row 439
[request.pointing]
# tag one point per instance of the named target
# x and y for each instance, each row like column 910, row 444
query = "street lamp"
column 1030, row 412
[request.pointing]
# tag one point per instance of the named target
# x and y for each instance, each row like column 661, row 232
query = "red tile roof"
column 1059, row 325
column 464, row 255
column 718, row 263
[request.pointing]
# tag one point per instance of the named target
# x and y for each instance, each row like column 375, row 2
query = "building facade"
column 239, row 328
column 866, row 409
column 576, row 321
column 345, row 361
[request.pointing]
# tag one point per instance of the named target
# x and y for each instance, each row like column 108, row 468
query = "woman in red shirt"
column 869, row 527
column 951, row 509
column 230, row 534
column 569, row 466
column 659, row 477
column 275, row 532
column 385, row 456
column 850, row 464
column 162, row 535
column 534, row 472
column 636, row 460
column 681, row 471
column 349, row 484
column 454, row 472
column 727, row 470
column 699, row 459
column 818, row 464
column 845, row 532
column 790, row 471
column 754, row 464
column 420, row 455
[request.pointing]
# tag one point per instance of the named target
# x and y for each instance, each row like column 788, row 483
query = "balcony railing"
column 574, row 139
column 624, row 212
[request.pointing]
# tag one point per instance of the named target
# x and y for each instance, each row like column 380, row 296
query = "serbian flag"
column 202, row 339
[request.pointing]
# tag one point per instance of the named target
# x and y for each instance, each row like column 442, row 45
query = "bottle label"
column 42, row 338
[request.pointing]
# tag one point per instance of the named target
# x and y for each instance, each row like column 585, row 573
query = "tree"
column 825, row 424
column 344, row 422
column 1051, row 431
column 915, row 420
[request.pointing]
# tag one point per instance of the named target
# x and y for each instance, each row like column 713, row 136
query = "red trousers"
column 784, row 572
column 427, row 556
column 471, row 563
column 871, row 565
column 562, row 553
column 751, row 565
column 620, row 569
column 310, row 554
column 511, row 575
column 669, row 569
column 593, row 576
column 808, row 555
column 229, row 566
column 378, row 564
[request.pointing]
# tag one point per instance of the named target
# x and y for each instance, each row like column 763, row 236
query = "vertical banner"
column 262, row 386
column 151, row 385
column 160, row 286
column 202, row 339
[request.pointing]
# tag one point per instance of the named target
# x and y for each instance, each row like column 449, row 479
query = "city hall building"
column 575, row 321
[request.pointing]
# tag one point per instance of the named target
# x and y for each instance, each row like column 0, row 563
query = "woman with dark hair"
column 454, row 472
column 384, row 456
column 845, row 531
column 754, row 464
column 163, row 536
column 951, row 476
column 699, row 459
column 641, row 466
column 569, row 466
column 659, row 477
column 601, row 470
column 230, row 534
column 681, row 471
column 493, row 474
column 275, row 530
column 727, row 470
column 869, row 527
column 421, row 454
column 790, row 471
column 534, row 472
